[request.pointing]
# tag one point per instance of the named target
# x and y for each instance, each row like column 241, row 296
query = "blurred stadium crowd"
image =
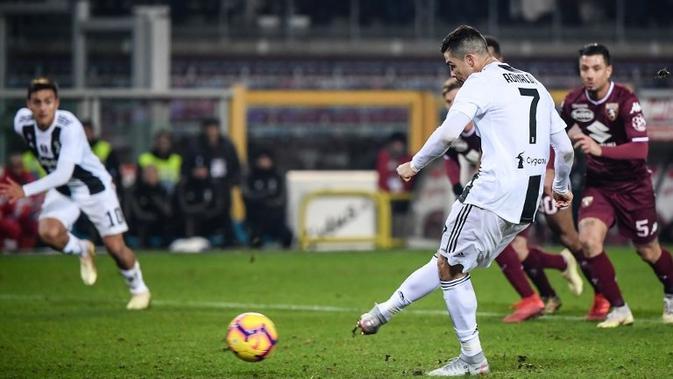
column 178, row 190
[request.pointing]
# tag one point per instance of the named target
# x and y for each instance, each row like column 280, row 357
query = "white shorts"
column 473, row 237
column 102, row 209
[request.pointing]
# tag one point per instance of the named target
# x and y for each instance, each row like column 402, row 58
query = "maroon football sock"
column 511, row 267
column 547, row 260
column 586, row 269
column 533, row 266
column 664, row 270
column 604, row 272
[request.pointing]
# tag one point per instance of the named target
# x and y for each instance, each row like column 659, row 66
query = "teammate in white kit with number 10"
column 76, row 181
column 515, row 116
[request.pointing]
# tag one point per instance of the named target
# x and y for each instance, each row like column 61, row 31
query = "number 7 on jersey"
column 532, row 121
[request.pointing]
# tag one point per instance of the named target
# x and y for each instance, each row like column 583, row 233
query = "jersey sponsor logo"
column 639, row 123
column 612, row 111
column 530, row 161
column 636, row 108
column 520, row 158
column 599, row 132
column 582, row 114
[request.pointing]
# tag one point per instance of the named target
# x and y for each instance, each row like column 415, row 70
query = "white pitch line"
column 284, row 307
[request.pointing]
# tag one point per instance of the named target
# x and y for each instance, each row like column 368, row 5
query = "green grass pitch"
column 53, row 326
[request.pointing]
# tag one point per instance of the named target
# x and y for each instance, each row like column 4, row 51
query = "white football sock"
column 134, row 279
column 461, row 302
column 75, row 246
column 420, row 283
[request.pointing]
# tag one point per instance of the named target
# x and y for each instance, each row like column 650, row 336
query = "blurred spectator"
column 18, row 221
column 103, row 150
column 164, row 158
column 149, row 210
column 393, row 154
column 202, row 205
column 265, row 199
column 217, row 155
column 31, row 164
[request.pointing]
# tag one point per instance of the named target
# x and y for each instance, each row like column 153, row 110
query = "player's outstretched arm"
column 436, row 145
column 562, row 165
column 56, row 178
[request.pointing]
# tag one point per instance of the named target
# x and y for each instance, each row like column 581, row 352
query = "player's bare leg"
column 662, row 264
column 461, row 303
column 53, row 233
column 130, row 270
column 532, row 262
column 592, row 234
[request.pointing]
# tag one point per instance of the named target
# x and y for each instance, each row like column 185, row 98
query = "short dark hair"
column 596, row 49
column 492, row 42
column 463, row 40
column 40, row 83
column 210, row 122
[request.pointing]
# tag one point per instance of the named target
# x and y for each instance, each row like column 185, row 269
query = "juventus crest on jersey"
column 515, row 116
column 64, row 140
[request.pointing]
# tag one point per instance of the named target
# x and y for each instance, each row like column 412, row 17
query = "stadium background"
column 135, row 67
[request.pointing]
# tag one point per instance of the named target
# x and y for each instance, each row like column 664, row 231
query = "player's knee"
column 591, row 245
column 48, row 232
column 448, row 272
column 520, row 246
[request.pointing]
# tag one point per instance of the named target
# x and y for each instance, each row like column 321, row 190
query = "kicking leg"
column 416, row 286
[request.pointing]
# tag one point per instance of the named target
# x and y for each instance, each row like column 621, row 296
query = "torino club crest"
column 612, row 110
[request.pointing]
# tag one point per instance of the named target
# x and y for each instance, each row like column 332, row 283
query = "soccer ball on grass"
column 251, row 336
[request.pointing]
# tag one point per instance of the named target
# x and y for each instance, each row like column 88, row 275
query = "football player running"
column 76, row 182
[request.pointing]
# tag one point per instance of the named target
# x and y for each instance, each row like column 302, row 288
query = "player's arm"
column 549, row 175
column 563, row 161
column 436, row 145
column 71, row 147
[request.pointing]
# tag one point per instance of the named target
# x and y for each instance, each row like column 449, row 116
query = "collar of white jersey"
column 601, row 101
column 495, row 63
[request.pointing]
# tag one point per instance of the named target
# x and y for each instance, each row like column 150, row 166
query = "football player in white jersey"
column 76, row 182
column 515, row 116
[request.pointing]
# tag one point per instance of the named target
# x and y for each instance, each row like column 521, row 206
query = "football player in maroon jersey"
column 613, row 135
